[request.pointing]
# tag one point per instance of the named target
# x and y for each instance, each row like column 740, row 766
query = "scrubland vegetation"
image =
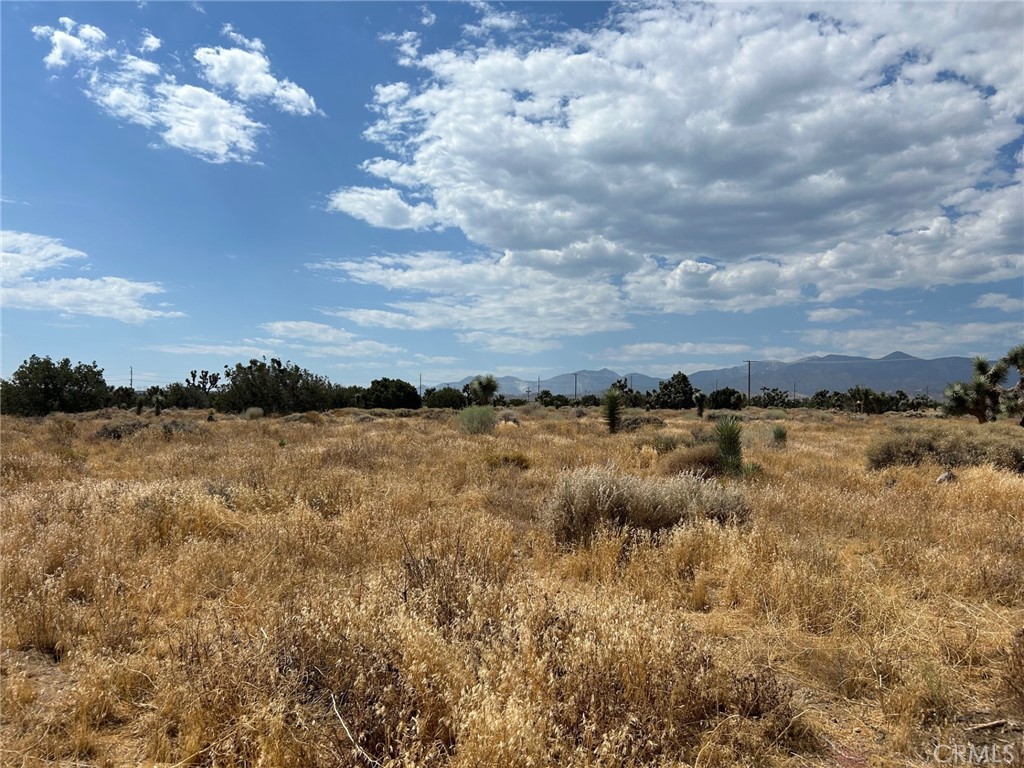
column 417, row 588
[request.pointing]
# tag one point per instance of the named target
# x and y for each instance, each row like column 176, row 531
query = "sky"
column 439, row 190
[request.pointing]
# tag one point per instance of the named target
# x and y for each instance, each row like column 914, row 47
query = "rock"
column 946, row 477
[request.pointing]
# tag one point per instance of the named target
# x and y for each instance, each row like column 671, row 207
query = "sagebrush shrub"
column 703, row 459
column 477, row 419
column 962, row 448
column 587, row 498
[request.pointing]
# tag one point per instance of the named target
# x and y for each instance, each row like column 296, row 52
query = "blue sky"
column 444, row 189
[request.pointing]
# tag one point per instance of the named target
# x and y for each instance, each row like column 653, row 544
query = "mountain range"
column 895, row 371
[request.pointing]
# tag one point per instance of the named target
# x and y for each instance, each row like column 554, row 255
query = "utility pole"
column 748, row 362
column 574, row 386
column 131, row 378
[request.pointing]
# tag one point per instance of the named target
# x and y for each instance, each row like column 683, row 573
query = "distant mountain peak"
column 899, row 356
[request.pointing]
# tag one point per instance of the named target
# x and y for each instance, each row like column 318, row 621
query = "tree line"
column 41, row 386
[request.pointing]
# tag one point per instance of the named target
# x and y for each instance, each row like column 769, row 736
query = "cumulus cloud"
column 150, row 43
column 382, row 208
column 214, row 125
column 1000, row 301
column 322, row 340
column 72, row 43
column 246, row 71
column 489, row 300
column 26, row 259
column 833, row 314
column 688, row 157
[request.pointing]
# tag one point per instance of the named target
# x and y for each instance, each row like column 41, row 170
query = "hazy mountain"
column 897, row 370
column 586, row 382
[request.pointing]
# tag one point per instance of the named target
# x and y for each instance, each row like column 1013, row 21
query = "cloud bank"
column 26, row 259
column 685, row 157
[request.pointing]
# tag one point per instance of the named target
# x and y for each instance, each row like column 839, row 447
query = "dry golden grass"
column 354, row 589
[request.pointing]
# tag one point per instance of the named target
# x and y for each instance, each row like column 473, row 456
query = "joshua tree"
column 482, row 389
column 1014, row 397
column 980, row 396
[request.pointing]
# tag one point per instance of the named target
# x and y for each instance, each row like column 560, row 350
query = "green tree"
column 392, row 394
column 675, row 393
column 275, row 387
column 39, row 386
column 980, row 397
column 726, row 397
column 446, row 397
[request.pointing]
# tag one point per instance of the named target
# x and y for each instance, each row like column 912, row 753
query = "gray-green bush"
column 587, row 498
column 477, row 419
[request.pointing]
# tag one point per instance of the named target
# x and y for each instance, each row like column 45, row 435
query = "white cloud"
column 492, row 19
column 427, row 17
column 322, row 340
column 67, row 48
column 220, row 350
column 833, row 314
column 646, row 351
column 208, row 125
column 491, row 301
column 246, row 71
column 204, row 124
column 27, row 256
column 724, row 157
column 150, row 43
column 1001, row 302
column 382, row 208
column 255, row 44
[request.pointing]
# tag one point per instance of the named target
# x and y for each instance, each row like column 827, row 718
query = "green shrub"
column 477, row 419
column 613, row 409
column 729, row 438
column 587, row 498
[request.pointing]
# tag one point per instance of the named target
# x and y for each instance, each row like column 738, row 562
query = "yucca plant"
column 728, row 436
column 779, row 435
column 613, row 409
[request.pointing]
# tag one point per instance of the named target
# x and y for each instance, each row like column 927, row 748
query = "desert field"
column 386, row 589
